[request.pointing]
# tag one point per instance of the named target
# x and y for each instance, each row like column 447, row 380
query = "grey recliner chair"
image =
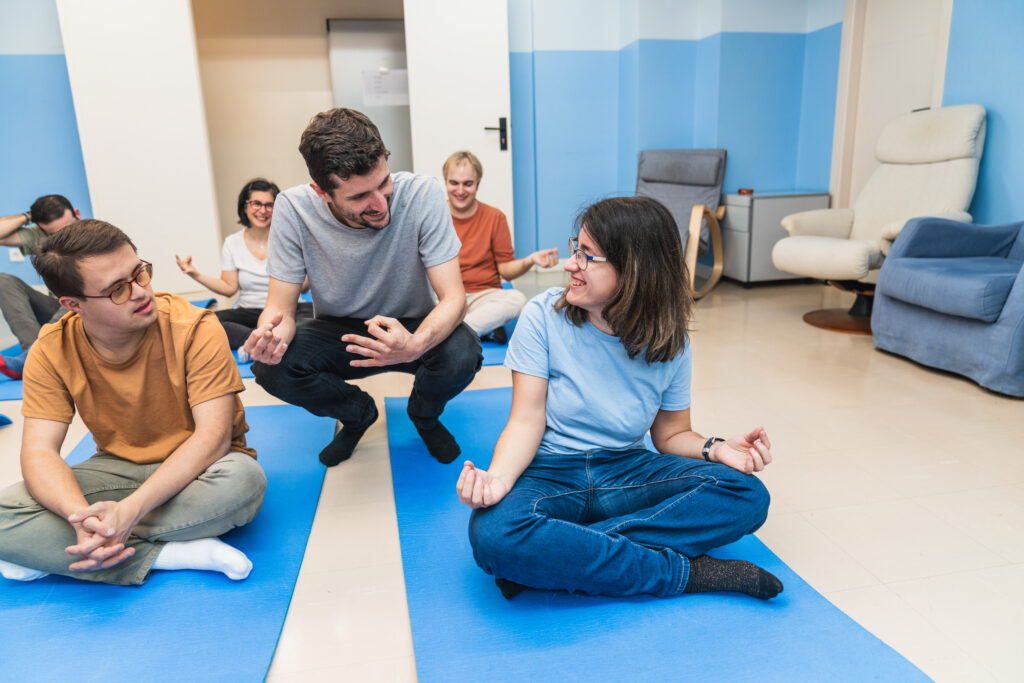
column 689, row 183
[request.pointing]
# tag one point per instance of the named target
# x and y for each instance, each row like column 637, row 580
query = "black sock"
column 439, row 440
column 499, row 336
column 340, row 448
column 509, row 589
column 709, row 574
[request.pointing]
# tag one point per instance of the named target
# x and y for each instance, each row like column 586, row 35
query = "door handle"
column 502, row 129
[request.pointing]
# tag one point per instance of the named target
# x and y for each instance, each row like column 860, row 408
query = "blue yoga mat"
column 10, row 389
column 180, row 625
column 464, row 630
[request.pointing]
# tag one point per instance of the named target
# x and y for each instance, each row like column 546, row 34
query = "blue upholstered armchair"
column 951, row 295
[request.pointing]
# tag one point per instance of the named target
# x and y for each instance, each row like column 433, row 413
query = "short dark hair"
column 340, row 142
column 49, row 208
column 652, row 304
column 56, row 259
column 254, row 185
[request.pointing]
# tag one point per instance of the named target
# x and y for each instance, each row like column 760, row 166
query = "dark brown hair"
column 254, row 185
column 340, row 142
column 56, row 259
column 49, row 208
column 651, row 306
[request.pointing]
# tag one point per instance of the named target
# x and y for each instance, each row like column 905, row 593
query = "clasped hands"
column 103, row 529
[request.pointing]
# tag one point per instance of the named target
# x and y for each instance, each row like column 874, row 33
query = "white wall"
column 265, row 73
column 135, row 84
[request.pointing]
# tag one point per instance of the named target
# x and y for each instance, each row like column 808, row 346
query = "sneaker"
column 7, row 369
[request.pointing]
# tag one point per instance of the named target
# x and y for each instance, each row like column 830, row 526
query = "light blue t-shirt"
column 598, row 398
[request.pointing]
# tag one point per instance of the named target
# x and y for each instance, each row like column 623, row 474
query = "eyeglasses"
column 122, row 291
column 256, row 205
column 583, row 259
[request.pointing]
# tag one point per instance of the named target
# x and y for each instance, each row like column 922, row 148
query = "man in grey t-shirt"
column 24, row 308
column 383, row 264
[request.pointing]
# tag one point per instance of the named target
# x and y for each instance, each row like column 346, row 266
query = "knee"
column 756, row 498
column 461, row 355
column 490, row 537
column 248, row 481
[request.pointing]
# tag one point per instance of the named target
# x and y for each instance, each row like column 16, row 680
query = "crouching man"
column 156, row 385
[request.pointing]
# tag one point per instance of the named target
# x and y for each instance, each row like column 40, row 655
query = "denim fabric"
column 227, row 495
column 614, row 522
column 315, row 368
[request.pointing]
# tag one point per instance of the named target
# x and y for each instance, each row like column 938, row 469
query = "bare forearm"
column 510, row 270
column 10, row 224
column 687, row 444
column 181, row 468
column 439, row 323
column 52, row 483
column 215, row 284
column 515, row 450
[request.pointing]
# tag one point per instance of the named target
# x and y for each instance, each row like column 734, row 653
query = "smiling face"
column 591, row 289
column 259, row 209
column 362, row 201
column 461, row 183
column 102, row 273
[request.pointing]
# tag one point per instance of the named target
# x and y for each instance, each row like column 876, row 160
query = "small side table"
column 752, row 226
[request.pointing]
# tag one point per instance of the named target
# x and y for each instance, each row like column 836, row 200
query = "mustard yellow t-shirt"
column 138, row 409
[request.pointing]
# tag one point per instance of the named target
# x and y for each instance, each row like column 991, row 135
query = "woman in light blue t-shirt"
column 244, row 264
column 572, row 499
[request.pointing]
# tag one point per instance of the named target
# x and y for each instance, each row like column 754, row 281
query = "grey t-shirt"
column 363, row 272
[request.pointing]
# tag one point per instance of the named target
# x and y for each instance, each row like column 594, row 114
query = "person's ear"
column 320, row 193
column 71, row 303
column 78, row 214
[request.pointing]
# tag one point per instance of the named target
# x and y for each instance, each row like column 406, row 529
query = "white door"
column 895, row 62
column 367, row 58
column 457, row 52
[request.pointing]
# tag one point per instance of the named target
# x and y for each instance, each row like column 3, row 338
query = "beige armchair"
column 928, row 166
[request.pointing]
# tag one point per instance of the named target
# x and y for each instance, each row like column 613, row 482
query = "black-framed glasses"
column 122, row 291
column 255, row 204
column 583, row 259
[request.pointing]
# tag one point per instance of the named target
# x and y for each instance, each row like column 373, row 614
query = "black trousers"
column 240, row 322
column 314, row 371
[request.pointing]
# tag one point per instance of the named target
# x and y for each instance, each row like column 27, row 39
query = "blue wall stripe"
column 759, row 109
column 576, row 109
column 524, row 159
column 818, row 108
column 39, row 137
column 983, row 66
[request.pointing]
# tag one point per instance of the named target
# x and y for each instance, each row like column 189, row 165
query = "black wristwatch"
column 706, row 451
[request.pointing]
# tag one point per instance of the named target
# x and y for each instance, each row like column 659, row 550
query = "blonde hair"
column 460, row 156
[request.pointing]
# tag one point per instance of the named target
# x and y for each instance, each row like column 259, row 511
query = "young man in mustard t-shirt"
column 156, row 385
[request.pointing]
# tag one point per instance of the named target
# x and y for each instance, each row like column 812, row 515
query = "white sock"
column 15, row 572
column 208, row 554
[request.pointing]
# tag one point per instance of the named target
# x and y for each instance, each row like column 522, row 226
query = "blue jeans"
column 614, row 522
column 313, row 372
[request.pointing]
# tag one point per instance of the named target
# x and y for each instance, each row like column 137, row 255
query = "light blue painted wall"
column 758, row 119
column 42, row 153
column 594, row 110
column 983, row 66
column 576, row 135
column 818, row 107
